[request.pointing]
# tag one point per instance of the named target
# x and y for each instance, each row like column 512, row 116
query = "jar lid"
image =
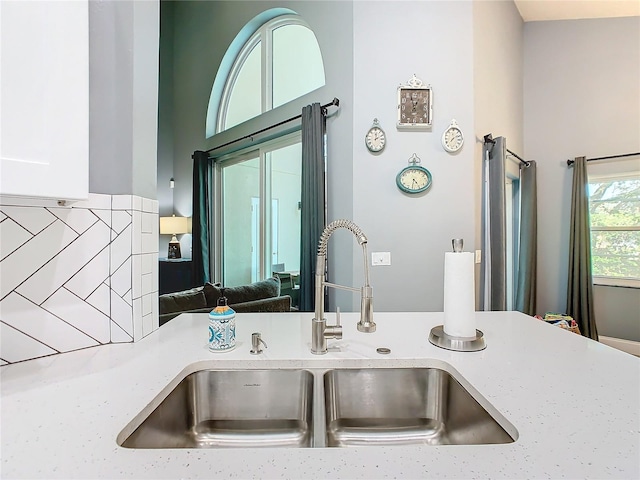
column 221, row 311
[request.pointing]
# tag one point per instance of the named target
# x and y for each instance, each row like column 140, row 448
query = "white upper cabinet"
column 44, row 99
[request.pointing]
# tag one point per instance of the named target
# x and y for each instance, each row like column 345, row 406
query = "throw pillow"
column 256, row 291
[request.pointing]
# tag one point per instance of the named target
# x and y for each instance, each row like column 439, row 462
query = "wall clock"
column 414, row 178
column 452, row 138
column 414, row 105
column 375, row 139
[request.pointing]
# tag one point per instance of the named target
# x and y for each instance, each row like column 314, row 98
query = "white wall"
column 87, row 274
column 581, row 97
column 76, row 276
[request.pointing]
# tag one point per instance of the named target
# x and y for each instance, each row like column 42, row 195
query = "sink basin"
column 230, row 408
column 404, row 406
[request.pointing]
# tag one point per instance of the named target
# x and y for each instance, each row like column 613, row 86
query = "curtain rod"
column 334, row 102
column 489, row 139
column 571, row 162
column 522, row 161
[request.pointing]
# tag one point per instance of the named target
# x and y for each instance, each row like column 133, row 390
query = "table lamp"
column 174, row 226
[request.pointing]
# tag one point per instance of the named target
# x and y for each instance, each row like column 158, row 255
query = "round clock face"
column 413, row 179
column 375, row 139
column 452, row 139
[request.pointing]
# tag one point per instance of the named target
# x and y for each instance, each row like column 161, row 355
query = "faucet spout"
column 320, row 330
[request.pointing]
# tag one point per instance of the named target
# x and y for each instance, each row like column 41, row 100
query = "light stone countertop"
column 575, row 403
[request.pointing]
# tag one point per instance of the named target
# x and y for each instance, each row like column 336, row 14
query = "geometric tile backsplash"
column 76, row 276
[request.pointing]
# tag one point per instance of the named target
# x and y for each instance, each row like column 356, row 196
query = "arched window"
column 274, row 59
column 268, row 64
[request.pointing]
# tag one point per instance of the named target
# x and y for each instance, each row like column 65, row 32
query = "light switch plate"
column 478, row 256
column 380, row 258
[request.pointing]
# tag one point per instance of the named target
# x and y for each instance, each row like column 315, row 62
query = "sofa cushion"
column 275, row 304
column 182, row 301
column 244, row 293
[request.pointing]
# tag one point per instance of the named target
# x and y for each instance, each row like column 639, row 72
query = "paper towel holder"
column 459, row 344
column 439, row 338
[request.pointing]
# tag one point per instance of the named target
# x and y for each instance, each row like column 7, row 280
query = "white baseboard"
column 625, row 345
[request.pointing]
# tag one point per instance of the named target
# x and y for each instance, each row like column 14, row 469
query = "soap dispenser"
column 222, row 326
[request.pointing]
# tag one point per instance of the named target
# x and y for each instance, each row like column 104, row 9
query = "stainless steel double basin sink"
column 318, row 408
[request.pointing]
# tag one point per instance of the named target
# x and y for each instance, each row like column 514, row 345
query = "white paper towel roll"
column 459, row 294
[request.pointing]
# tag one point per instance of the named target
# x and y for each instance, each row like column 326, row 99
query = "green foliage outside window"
column 615, row 227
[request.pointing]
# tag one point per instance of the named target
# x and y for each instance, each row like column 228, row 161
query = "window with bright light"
column 260, row 212
column 614, row 207
column 260, row 186
column 279, row 63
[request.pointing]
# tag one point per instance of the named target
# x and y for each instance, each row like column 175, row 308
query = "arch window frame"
column 264, row 36
column 259, row 31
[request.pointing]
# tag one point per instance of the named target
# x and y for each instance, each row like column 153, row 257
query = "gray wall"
column 617, row 312
column 123, row 97
column 498, row 94
column 498, row 70
column 110, row 97
column 417, row 230
column 165, row 120
column 581, row 81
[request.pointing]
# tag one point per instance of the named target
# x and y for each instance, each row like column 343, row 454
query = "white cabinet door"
column 44, row 98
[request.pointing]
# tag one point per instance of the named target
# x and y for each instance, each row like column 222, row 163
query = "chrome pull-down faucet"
column 320, row 330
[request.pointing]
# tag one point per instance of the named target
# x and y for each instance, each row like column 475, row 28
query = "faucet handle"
column 338, row 317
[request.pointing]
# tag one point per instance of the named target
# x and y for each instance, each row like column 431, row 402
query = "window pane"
column 616, row 254
column 286, row 168
column 245, row 101
column 297, row 63
column 241, row 220
column 615, row 202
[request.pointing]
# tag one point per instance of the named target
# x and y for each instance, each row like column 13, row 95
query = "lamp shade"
column 174, row 225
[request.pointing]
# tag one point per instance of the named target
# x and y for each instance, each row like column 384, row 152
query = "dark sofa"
column 263, row 296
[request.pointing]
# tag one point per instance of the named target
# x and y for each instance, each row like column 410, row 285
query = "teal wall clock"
column 414, row 178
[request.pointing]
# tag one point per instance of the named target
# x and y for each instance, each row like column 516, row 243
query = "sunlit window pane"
column 241, row 190
column 273, row 73
column 614, row 208
column 615, row 203
column 245, row 101
column 286, row 174
column 616, row 254
column 297, row 63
